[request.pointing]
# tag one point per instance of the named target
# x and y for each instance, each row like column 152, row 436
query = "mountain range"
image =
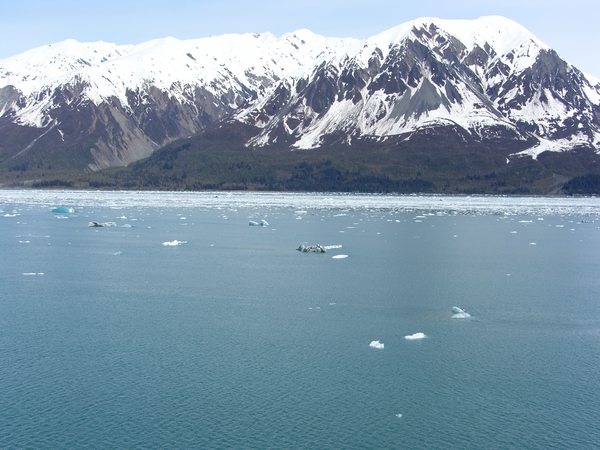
column 431, row 104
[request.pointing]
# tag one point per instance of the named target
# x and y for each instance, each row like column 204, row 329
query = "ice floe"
column 94, row 224
column 63, row 210
column 263, row 223
column 412, row 337
column 377, row 344
column 312, row 248
column 339, row 256
column 174, row 243
column 458, row 313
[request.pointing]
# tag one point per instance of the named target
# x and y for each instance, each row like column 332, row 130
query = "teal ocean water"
column 191, row 329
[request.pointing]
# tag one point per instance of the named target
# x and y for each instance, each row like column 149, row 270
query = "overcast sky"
column 571, row 27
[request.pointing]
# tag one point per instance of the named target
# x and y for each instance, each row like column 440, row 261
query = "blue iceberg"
column 63, row 210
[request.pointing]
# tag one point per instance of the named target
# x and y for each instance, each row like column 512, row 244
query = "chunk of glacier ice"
column 377, row 344
column 458, row 313
column 412, row 337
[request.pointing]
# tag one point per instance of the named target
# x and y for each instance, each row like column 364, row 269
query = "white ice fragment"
column 377, row 344
column 264, row 223
column 339, row 256
column 174, row 243
column 24, row 242
column 399, row 416
column 532, row 243
column 412, row 337
column 118, row 253
column 252, row 223
column 458, row 313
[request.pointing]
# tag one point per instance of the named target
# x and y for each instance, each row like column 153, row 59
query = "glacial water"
column 227, row 337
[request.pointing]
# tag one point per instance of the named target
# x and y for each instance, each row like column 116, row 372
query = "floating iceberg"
column 263, row 223
column 376, row 344
column 312, row 248
column 99, row 225
column 174, row 243
column 412, row 337
column 458, row 313
column 339, row 256
column 63, row 210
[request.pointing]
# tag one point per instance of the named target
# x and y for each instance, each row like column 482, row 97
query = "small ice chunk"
column 63, row 210
column 376, row 344
column 174, row 243
column 399, row 416
column 264, row 223
column 339, row 256
column 458, row 313
column 252, row 223
column 412, row 337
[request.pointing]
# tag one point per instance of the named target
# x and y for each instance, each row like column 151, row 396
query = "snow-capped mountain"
column 105, row 104
column 489, row 76
column 127, row 101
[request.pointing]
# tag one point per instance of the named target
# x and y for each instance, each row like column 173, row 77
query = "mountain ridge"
column 488, row 82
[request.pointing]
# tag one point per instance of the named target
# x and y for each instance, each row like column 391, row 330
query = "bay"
column 233, row 339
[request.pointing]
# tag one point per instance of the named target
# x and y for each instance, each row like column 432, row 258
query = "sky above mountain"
column 568, row 27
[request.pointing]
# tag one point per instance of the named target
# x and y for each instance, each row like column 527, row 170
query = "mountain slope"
column 433, row 95
column 490, row 77
column 127, row 101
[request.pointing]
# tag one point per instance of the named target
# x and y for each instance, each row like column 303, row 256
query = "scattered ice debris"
column 458, row 313
column 412, row 337
column 174, row 243
column 99, row 225
column 312, row 248
column 118, row 253
column 332, row 304
column 339, row 256
column 377, row 344
column 63, row 210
